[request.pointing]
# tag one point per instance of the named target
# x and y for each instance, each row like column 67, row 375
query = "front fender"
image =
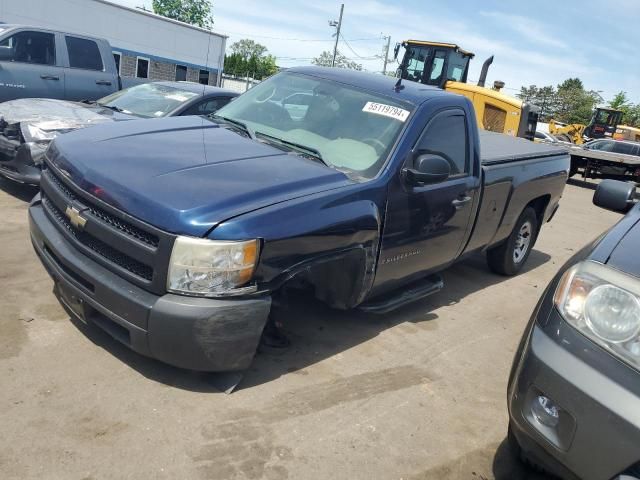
column 329, row 241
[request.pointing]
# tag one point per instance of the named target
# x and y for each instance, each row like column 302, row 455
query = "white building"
column 143, row 43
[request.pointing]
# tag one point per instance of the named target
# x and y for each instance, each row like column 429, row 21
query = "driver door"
column 427, row 226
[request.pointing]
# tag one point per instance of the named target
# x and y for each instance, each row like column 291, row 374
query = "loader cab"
column 446, row 66
column 433, row 63
column 603, row 123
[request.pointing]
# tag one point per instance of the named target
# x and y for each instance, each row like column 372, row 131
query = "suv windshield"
column 347, row 128
column 147, row 100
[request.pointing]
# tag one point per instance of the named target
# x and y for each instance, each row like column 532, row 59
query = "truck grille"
column 98, row 246
column 114, row 221
column 121, row 243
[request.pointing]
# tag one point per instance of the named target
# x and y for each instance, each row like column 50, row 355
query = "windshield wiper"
column 298, row 146
column 245, row 128
column 112, row 107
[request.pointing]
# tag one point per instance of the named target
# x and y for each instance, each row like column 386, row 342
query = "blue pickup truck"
column 174, row 235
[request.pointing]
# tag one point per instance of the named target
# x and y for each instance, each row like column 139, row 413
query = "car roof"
column 199, row 88
column 412, row 92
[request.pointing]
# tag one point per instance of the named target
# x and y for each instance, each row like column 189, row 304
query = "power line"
column 361, row 57
column 368, row 39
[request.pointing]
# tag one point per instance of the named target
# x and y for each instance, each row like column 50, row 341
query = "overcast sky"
column 541, row 43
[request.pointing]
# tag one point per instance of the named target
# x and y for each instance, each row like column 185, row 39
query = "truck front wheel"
column 509, row 257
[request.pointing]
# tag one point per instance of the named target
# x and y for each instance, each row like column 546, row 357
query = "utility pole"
column 338, row 25
column 386, row 54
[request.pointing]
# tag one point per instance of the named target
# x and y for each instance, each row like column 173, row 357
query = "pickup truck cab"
column 41, row 63
column 175, row 234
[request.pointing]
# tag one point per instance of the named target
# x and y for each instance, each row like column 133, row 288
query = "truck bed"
column 497, row 148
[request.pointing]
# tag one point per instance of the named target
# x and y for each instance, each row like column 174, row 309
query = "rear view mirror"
column 428, row 168
column 396, row 50
column 615, row 195
column 6, row 53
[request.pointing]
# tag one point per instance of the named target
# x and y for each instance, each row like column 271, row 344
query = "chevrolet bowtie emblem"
column 77, row 220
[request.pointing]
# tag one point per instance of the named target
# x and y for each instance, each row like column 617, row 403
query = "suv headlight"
column 203, row 267
column 603, row 304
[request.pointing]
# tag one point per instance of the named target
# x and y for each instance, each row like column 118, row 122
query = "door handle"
column 49, row 77
column 103, row 82
column 460, row 202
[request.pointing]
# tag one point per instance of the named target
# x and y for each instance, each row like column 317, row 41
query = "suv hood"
column 185, row 174
column 42, row 119
column 624, row 256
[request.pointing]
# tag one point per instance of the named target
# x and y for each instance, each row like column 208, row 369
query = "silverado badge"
column 77, row 220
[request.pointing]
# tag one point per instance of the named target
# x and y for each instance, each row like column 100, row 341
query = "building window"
column 84, row 54
column 204, row 77
column 142, row 67
column 117, row 56
column 181, row 73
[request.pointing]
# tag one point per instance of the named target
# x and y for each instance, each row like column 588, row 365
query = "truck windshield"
column 147, row 100
column 350, row 129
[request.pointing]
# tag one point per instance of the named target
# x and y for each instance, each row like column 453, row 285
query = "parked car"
column 28, row 125
column 606, row 158
column 174, row 234
column 544, row 137
column 39, row 62
column 574, row 388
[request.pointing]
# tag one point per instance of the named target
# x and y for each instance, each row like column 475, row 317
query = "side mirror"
column 428, row 168
column 615, row 195
column 6, row 53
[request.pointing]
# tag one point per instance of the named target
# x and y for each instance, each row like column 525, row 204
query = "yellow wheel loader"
column 572, row 132
column 446, row 65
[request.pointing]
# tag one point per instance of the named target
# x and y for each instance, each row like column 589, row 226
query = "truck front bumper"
column 17, row 162
column 194, row 333
column 597, row 430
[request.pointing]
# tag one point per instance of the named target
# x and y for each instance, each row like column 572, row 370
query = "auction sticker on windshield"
column 386, row 110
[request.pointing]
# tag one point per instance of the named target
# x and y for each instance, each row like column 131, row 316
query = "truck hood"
column 185, row 174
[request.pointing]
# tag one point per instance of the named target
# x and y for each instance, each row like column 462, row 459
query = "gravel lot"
column 416, row 394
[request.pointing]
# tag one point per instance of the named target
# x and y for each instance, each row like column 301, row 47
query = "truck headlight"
column 603, row 304
column 205, row 267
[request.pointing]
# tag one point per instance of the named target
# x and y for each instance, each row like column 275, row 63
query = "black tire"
column 509, row 257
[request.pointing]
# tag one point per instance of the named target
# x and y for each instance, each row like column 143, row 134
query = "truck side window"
column 446, row 135
column 84, row 54
column 32, row 47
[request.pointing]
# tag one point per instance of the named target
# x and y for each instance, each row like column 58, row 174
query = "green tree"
column 528, row 94
column 194, row 12
column 244, row 64
column 248, row 48
column 325, row 59
column 267, row 66
column 574, row 103
column 620, row 101
column 544, row 98
column 632, row 116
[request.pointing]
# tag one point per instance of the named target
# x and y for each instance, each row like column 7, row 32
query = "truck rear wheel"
column 509, row 257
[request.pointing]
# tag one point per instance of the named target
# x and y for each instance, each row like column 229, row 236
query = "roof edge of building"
column 160, row 17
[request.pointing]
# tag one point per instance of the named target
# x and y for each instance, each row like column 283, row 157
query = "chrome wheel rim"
column 522, row 242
